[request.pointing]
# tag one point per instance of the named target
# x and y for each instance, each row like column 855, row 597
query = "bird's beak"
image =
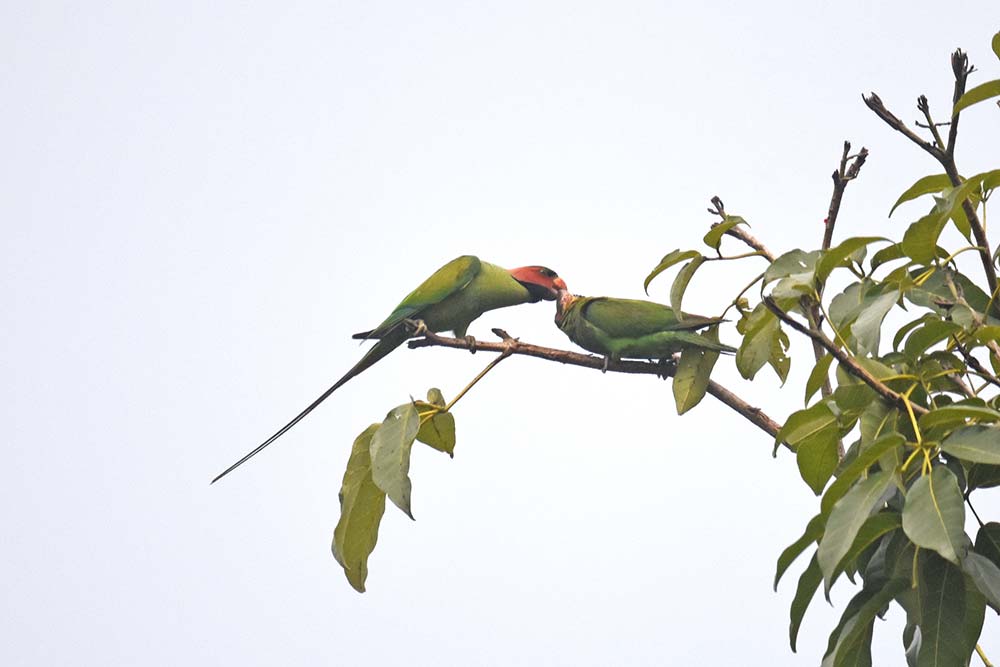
column 559, row 284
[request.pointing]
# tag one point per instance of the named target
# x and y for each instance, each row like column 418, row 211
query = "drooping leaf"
column 390, row 451
column 797, row 263
column 361, row 507
column 942, row 605
column 983, row 91
column 818, row 375
column 988, row 541
column 671, row 258
column 837, row 255
column 694, row 370
column 813, row 531
column 681, row 282
column 976, row 443
column 779, row 359
column 853, row 647
column 985, row 574
column 817, row 458
column 755, row 350
column 887, row 254
column 867, row 327
column 996, row 44
column 714, row 236
column 846, row 518
column 804, row 593
column 925, row 185
column 437, row 429
column 866, row 458
column 871, row 531
column 934, row 514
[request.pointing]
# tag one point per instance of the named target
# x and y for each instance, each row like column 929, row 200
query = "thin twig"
column 719, row 209
column 753, row 414
column 848, row 362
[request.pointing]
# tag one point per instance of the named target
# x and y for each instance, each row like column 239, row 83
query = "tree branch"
column 738, row 232
column 945, row 155
column 849, row 363
column 512, row 346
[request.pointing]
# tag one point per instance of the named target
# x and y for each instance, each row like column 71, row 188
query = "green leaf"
column 817, row 458
column 714, row 236
column 755, row 350
column 694, row 370
column 818, row 375
column 955, row 415
column 934, row 516
column 846, row 518
column 794, row 263
column 887, row 254
column 803, row 424
column 868, row 326
column 983, row 91
column 839, row 254
column 804, row 593
column 996, row 44
column 814, row 529
column 778, row 359
column 390, row 452
column 850, row 474
column 929, row 334
column 978, row 444
column 681, row 282
column 988, row 541
column 982, row 476
column 437, row 428
column 671, row 258
column 871, row 530
column 361, row 507
column 854, row 644
column 924, row 186
column 920, row 238
column 942, row 604
column 985, row 574
column 435, row 397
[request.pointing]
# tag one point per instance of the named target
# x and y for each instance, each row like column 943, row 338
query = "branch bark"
column 513, row 346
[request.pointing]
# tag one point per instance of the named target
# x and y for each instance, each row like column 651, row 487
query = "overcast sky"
column 200, row 202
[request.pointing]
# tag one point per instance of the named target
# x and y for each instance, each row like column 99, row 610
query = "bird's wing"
column 628, row 318
column 449, row 279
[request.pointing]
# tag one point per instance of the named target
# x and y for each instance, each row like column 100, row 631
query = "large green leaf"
column 755, row 350
column 846, row 518
column 853, row 648
column 839, row 254
column 437, row 427
column 694, row 371
column 813, row 531
column 985, row 574
column 931, row 333
column 924, row 186
column 714, row 236
column 681, row 282
column 983, row 91
column 983, row 476
column 996, row 44
column 818, row 375
column 934, row 514
column 988, row 541
column 361, row 507
column 871, row 531
column 804, row 593
column 976, row 443
column 795, row 263
column 671, row 258
column 867, row 327
column 390, row 452
column 817, row 458
column 943, row 607
column 865, row 459
column 955, row 415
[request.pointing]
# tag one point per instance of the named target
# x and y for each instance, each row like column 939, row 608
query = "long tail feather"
column 390, row 342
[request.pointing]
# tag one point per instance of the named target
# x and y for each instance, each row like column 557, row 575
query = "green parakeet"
column 454, row 296
column 627, row 328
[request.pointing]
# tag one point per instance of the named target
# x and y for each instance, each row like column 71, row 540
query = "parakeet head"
column 541, row 282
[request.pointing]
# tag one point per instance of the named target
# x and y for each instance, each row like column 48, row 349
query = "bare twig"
column 849, row 363
column 755, row 415
column 740, row 233
column 844, row 175
column 945, row 154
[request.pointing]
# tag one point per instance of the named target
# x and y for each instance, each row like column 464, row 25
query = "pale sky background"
column 200, row 202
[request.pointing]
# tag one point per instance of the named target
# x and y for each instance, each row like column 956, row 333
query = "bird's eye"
column 548, row 273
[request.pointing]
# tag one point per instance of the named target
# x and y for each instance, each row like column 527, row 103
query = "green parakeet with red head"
column 628, row 328
column 454, row 296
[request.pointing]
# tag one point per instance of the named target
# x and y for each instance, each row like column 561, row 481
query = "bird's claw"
column 604, row 368
column 666, row 364
column 417, row 327
column 471, row 342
